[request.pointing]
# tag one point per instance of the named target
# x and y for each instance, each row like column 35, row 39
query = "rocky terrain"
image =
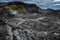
column 21, row 21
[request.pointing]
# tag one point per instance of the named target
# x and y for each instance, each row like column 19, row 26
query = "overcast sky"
column 41, row 3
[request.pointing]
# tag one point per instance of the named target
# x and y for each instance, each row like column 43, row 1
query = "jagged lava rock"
column 40, row 26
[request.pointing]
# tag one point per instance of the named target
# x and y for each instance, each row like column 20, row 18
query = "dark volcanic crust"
column 41, row 25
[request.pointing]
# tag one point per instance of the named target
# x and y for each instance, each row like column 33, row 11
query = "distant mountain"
column 20, row 6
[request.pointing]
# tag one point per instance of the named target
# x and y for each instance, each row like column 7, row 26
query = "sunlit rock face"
column 13, row 11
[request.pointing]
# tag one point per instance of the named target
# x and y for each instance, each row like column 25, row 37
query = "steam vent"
column 22, row 21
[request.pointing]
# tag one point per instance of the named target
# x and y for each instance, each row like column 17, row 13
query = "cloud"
column 56, row 0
